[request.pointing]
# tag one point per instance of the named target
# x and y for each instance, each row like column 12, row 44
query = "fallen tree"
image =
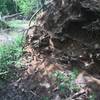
column 70, row 28
column 9, row 17
column 79, row 20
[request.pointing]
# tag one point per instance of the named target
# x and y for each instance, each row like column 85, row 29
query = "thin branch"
column 34, row 16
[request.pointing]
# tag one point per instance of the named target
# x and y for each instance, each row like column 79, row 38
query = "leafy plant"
column 66, row 81
column 7, row 6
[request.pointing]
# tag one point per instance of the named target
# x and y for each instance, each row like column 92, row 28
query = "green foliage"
column 7, row 6
column 9, row 55
column 68, row 82
column 28, row 6
column 3, row 25
column 25, row 6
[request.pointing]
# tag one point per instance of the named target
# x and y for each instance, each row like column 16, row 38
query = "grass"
column 18, row 24
column 9, row 55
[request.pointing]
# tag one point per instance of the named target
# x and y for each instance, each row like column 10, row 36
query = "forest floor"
column 40, row 78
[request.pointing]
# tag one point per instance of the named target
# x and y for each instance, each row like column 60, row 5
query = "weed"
column 66, row 82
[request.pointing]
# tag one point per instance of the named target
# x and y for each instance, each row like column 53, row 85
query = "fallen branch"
column 34, row 16
column 76, row 95
column 11, row 16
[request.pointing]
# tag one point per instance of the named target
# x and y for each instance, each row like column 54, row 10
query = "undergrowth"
column 66, row 82
column 9, row 55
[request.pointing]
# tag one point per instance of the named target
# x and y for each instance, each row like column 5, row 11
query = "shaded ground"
column 36, row 83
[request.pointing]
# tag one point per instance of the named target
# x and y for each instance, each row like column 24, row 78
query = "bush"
column 28, row 6
column 8, row 7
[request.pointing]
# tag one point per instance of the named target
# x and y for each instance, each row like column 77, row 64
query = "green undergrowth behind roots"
column 9, row 56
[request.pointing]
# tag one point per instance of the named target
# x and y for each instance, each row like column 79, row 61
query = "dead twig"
column 76, row 95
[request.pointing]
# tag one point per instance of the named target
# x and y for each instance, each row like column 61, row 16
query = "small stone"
column 45, row 84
